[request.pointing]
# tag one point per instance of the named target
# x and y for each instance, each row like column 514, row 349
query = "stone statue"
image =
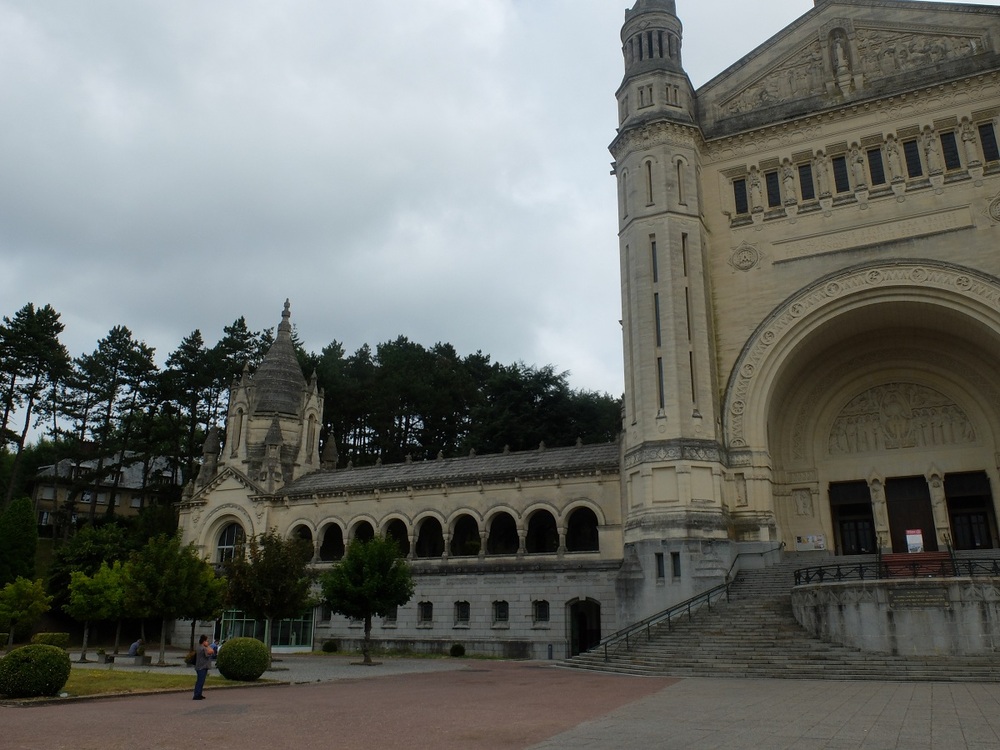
column 969, row 141
column 892, row 156
column 756, row 195
column 932, row 153
column 858, row 162
column 819, row 167
column 788, row 178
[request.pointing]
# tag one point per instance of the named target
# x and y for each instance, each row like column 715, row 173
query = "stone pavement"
column 448, row 704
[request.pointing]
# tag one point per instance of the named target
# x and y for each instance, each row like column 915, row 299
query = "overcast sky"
column 431, row 168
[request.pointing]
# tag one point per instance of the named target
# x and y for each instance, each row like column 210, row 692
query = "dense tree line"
column 115, row 406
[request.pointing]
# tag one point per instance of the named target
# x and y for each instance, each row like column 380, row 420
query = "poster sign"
column 810, row 543
column 914, row 540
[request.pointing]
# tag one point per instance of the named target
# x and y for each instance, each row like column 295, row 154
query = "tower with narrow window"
column 673, row 466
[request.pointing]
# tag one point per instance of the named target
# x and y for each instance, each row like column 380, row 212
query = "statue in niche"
column 858, row 162
column 756, row 194
column 788, row 178
column 969, row 141
column 822, row 177
column 932, row 153
column 893, row 159
column 841, row 64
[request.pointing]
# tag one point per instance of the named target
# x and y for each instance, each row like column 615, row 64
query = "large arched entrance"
column 873, row 396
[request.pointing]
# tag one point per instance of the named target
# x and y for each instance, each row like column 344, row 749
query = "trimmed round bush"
column 51, row 639
column 457, row 649
column 33, row 671
column 243, row 659
column 331, row 647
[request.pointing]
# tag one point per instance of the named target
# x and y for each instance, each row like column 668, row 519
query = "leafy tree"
column 162, row 579
column 206, row 600
column 113, row 382
column 85, row 552
column 271, row 581
column 22, row 602
column 97, row 597
column 371, row 579
column 188, row 384
column 32, row 361
column 18, row 541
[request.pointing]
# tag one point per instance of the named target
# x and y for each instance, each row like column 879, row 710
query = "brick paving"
column 450, row 704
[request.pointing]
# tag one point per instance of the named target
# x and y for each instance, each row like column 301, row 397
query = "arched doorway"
column 584, row 625
column 872, row 392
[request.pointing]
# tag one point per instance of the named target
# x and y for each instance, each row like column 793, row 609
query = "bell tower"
column 673, row 464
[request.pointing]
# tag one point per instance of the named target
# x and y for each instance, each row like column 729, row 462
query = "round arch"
column 928, row 294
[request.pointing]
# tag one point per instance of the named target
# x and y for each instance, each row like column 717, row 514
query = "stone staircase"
column 756, row 635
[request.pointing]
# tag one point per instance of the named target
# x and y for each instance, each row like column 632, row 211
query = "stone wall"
column 911, row 617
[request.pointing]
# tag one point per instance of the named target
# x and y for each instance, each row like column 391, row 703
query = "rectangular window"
column 540, row 610
column 773, row 189
column 840, row 179
column 876, row 167
column 462, row 613
column 659, row 373
column 949, row 149
column 325, row 613
column 43, row 518
column 988, row 137
column 136, row 501
column 501, row 613
column 47, row 493
column 656, row 312
column 911, row 150
column 675, row 564
column 102, row 498
column 740, row 196
column 654, row 260
column 806, row 184
column 661, row 569
column 389, row 621
column 425, row 613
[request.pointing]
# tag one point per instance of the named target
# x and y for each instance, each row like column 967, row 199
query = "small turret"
column 655, row 84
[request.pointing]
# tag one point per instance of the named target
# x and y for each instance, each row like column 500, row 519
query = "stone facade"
column 811, row 335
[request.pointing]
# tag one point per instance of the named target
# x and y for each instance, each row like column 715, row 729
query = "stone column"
column 939, row 505
column 562, row 540
column 482, row 544
column 880, row 511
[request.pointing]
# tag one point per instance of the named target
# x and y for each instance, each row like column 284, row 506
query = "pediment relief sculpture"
column 896, row 416
column 843, row 60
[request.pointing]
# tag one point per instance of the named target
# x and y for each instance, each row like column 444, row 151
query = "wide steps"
column 756, row 635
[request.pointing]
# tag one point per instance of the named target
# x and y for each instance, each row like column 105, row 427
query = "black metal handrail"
column 688, row 606
column 880, row 569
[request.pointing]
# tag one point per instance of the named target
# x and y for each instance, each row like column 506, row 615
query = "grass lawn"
column 106, row 682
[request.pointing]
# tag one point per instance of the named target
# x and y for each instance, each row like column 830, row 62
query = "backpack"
column 191, row 658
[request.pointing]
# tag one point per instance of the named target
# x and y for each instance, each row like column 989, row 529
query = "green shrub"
column 243, row 659
column 331, row 647
column 32, row 671
column 60, row 640
column 457, row 649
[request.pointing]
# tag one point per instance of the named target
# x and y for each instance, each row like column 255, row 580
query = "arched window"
column 430, row 539
column 333, row 544
column 581, row 531
column 396, row 530
column 503, row 536
column 542, row 533
column 364, row 532
column 465, row 539
column 302, row 532
column 231, row 539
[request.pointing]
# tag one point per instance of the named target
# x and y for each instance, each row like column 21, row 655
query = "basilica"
column 810, row 284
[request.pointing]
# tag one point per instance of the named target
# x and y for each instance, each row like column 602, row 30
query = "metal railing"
column 626, row 636
column 882, row 569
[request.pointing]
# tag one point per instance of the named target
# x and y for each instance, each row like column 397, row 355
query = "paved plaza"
column 448, row 704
